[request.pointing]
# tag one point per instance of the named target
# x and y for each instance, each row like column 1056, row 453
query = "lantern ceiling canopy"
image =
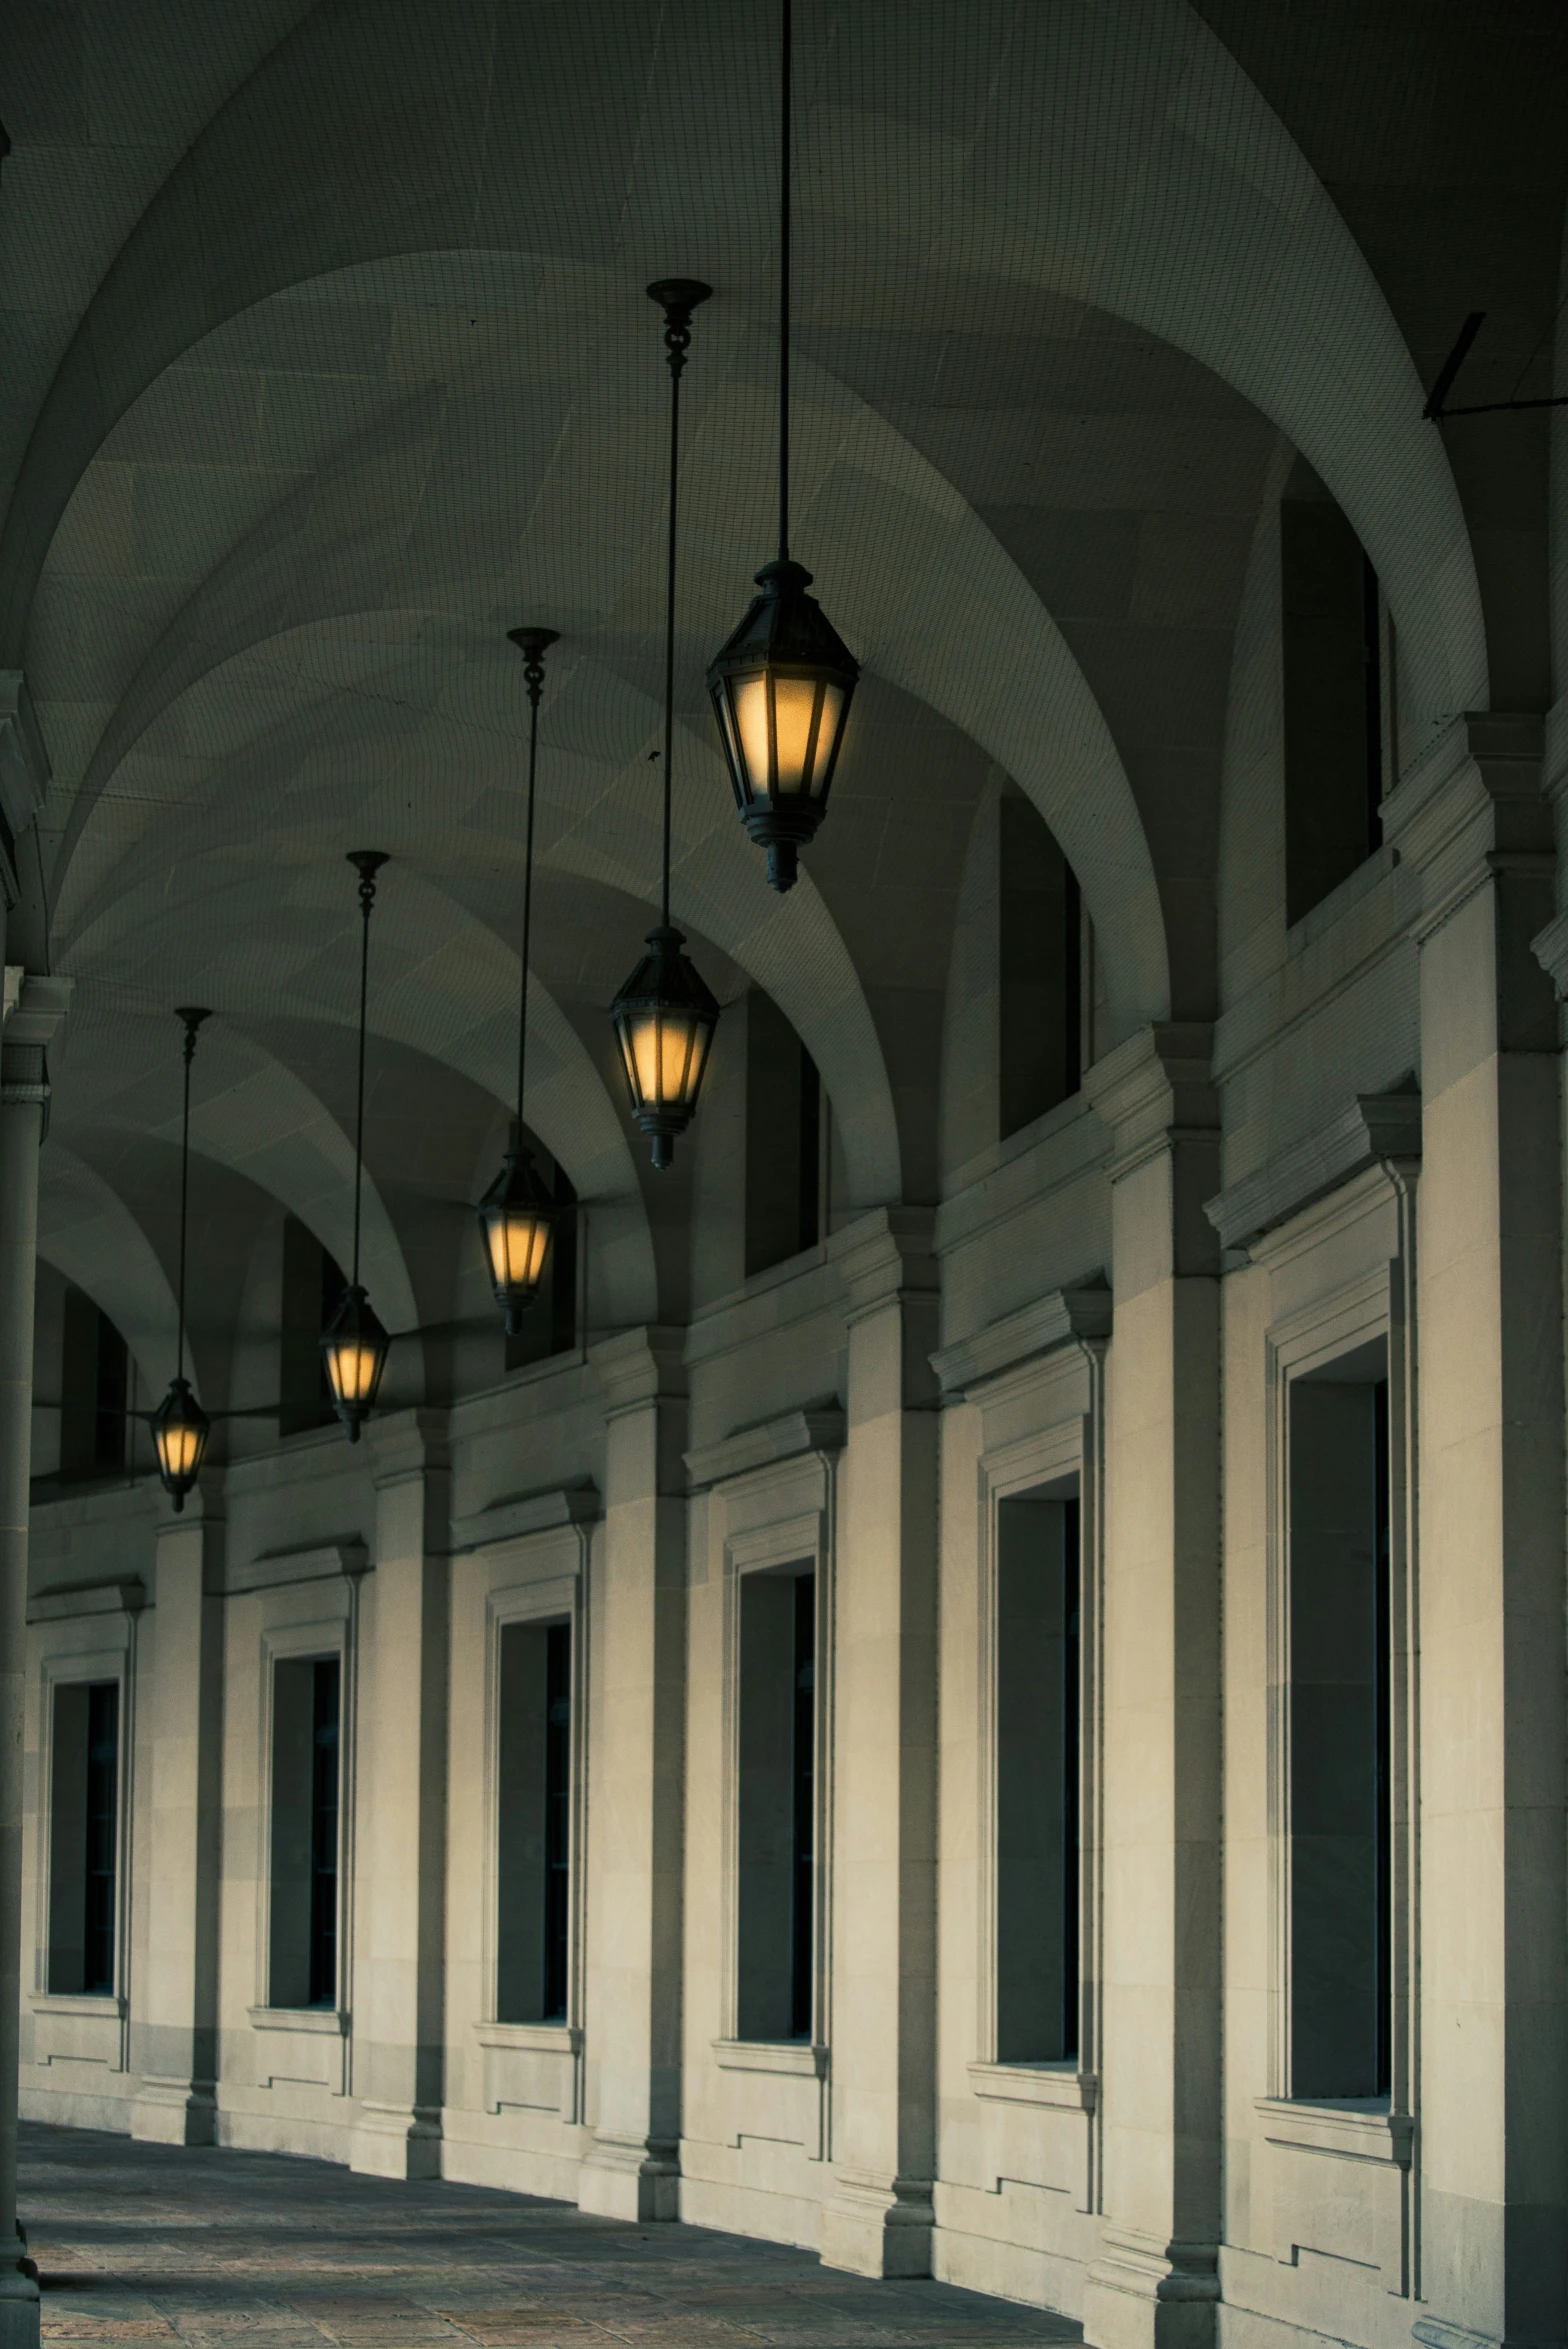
column 781, row 691
column 517, row 1224
column 665, row 1017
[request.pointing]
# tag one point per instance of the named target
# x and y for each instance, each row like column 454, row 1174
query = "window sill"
column 1061, row 2085
column 79, row 2002
column 1359, row 2128
column 799, row 2058
column 532, row 2038
column 325, row 2022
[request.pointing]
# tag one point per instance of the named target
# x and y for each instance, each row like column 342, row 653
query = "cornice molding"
column 319, row 1562
column 1155, row 1089
column 887, row 1253
column 406, row 1445
column 818, row 1427
column 639, row 1366
column 124, row 1597
column 1083, row 1313
column 1470, row 807
column 1375, row 1129
column 527, row 1513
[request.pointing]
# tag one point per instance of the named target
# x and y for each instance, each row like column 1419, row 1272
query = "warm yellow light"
column 179, row 1449
column 180, row 1428
column 786, row 727
column 665, row 1052
column 354, row 1370
column 517, row 1245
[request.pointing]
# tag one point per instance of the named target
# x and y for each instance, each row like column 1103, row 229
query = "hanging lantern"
column 180, row 1427
column 517, row 1214
column 354, row 1344
column 517, row 1224
column 782, row 684
column 781, row 691
column 354, row 1350
column 665, row 1017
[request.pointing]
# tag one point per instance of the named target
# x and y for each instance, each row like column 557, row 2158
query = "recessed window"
column 84, row 1838
column 313, row 1287
column 534, row 1819
column 94, row 1383
column 784, row 1139
column 1341, row 1841
column 1331, row 642
column 306, row 1736
column 777, row 1804
column 1039, row 969
column 1037, row 1780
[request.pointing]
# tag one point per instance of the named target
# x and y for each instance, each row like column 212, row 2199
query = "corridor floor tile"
column 150, row 2243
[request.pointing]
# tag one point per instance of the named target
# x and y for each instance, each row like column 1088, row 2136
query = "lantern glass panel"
column 517, row 1241
column 665, row 1051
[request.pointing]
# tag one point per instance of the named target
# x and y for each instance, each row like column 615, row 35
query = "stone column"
column 1155, row 2285
column 1490, row 2078
column 878, row 2219
column 174, row 2019
column 396, row 1691
column 34, row 1010
column 636, row 1731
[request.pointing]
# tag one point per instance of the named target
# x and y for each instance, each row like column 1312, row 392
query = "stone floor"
column 150, row 2243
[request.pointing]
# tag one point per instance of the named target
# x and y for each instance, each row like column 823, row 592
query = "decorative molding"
column 317, row 1563
column 885, row 1254
column 1082, row 1311
column 1060, row 2085
column 1359, row 2132
column 1550, row 948
column 407, row 1446
column 88, row 1598
column 1471, row 807
column 639, row 1366
column 816, row 1427
column 1374, row 1129
column 324, row 2022
column 1154, row 1089
column 101, row 2003
column 804, row 2059
column 527, row 1513
column 531, row 2038
column 36, row 1005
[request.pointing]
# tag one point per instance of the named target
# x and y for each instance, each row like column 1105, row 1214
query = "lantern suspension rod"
column 367, row 862
column 533, row 642
column 678, row 296
column 192, row 1015
column 786, row 9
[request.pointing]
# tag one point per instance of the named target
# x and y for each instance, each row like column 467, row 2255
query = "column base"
column 396, row 2141
column 19, row 2309
column 175, row 2112
column 1145, row 2293
column 637, row 2178
column 878, row 2226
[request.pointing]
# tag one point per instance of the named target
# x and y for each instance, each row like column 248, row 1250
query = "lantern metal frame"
column 666, row 993
column 517, row 1215
column 785, row 637
column 180, row 1427
column 355, row 1334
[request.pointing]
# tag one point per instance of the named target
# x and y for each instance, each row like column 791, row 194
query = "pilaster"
column 34, row 1009
column 637, row 1603
column 176, row 2021
column 1155, row 2284
column 1491, row 2074
column 399, row 1892
column 878, row 2219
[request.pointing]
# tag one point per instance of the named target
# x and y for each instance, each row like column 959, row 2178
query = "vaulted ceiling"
column 328, row 360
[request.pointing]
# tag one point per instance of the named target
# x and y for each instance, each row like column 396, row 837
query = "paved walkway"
column 151, row 2243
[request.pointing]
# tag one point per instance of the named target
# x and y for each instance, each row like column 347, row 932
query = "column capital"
column 888, row 1252
column 406, row 1446
column 1472, row 806
column 1155, row 1089
column 639, row 1366
column 35, row 1005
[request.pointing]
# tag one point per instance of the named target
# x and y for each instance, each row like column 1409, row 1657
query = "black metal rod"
column 192, row 1018
column 1494, row 408
column 528, row 899
column 669, row 634
column 786, row 10
column 1433, row 411
column 367, row 862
